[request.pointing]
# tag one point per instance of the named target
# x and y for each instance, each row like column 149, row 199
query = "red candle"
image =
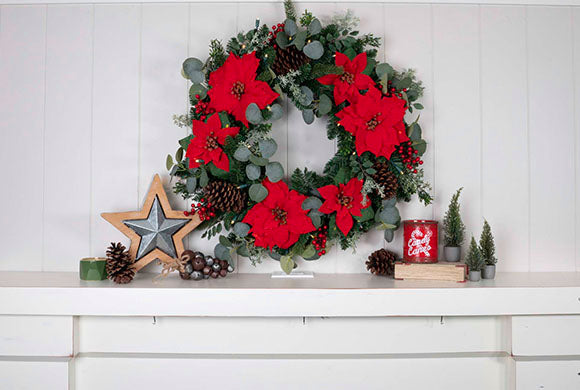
column 421, row 239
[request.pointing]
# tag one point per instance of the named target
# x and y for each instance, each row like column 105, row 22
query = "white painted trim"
column 455, row 2
column 249, row 295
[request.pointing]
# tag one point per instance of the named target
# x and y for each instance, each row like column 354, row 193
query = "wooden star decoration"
column 156, row 231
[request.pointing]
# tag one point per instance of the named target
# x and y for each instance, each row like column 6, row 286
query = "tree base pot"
column 488, row 272
column 474, row 276
column 452, row 253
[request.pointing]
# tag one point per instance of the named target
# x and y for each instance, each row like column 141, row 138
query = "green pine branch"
column 290, row 10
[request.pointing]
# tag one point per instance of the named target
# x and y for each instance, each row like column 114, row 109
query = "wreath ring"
column 224, row 165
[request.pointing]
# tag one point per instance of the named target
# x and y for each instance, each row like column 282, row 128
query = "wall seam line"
column 575, row 118
column 91, row 135
column 140, row 77
column 529, row 185
column 433, row 126
column 480, row 81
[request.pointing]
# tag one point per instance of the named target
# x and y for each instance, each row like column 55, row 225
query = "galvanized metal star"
column 156, row 231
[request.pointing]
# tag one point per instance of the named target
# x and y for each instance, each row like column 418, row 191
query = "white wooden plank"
column 201, row 32
column 492, row 2
column 457, row 111
column 69, row 66
column 22, row 51
column 413, row 48
column 504, row 133
column 551, row 139
column 312, row 335
column 548, row 374
column 36, row 336
column 115, row 119
column 271, row 14
column 308, row 145
column 576, row 51
column 326, row 295
column 545, row 335
column 28, row 374
column 312, row 373
column 163, row 92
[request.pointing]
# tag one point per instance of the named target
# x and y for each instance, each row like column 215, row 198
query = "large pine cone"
column 288, row 59
column 382, row 262
column 119, row 265
column 224, row 196
column 386, row 179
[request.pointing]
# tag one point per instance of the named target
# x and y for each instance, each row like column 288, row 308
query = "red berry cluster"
column 392, row 91
column 205, row 210
column 319, row 240
column 202, row 109
column 410, row 156
column 275, row 30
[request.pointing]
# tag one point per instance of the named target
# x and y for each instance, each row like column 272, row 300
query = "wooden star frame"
column 156, row 190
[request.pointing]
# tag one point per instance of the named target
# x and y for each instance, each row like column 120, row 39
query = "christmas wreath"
column 326, row 71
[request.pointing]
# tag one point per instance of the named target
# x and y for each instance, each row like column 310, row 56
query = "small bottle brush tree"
column 486, row 245
column 474, row 260
column 452, row 223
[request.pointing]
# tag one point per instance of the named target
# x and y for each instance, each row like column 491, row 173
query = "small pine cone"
column 224, row 196
column 382, row 262
column 288, row 59
column 119, row 265
column 386, row 179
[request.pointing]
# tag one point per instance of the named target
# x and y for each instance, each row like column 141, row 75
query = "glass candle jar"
column 421, row 238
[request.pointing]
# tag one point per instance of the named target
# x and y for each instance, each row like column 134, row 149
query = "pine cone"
column 288, row 59
column 119, row 265
column 224, row 196
column 386, row 179
column 382, row 262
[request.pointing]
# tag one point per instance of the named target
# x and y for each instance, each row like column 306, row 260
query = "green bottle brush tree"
column 454, row 229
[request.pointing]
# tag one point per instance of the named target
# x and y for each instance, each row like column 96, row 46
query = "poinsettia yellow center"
column 238, row 89
column 280, row 215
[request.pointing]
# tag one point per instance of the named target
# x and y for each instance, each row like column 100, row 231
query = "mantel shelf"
column 258, row 295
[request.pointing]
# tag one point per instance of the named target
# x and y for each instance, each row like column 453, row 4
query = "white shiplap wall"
column 88, row 92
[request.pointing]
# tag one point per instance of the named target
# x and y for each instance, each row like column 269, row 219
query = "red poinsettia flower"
column 278, row 220
column 234, row 87
column 346, row 200
column 376, row 121
column 205, row 145
column 348, row 84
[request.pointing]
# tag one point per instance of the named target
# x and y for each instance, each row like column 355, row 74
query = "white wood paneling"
column 115, row 119
column 457, row 130
column 484, row 373
column 551, row 139
column 413, row 48
column 36, row 336
column 163, row 92
column 312, row 335
column 33, row 374
column 552, row 374
column 545, row 335
column 576, row 48
column 68, row 127
column 504, row 131
column 22, row 60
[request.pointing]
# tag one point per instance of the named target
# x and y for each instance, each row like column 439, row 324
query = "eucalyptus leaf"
column 324, row 105
column 221, row 252
column 261, row 161
column 418, row 106
column 308, row 116
column 314, row 27
column 309, row 251
column 197, row 89
column 282, row 39
column 421, row 146
column 391, row 202
column 204, row 178
column 307, row 95
column 367, row 214
column 274, row 171
column 311, row 203
column 242, row 153
column 389, row 235
column 414, row 132
column 169, row 162
column 257, row 192
column 253, row 171
column 267, row 147
column 316, row 219
column 254, row 114
column 179, row 155
column 287, row 264
column 274, row 255
column 390, row 215
column 242, row 250
column 314, row 50
column 290, row 27
column 197, row 77
column 384, row 69
column 192, row 65
column 241, row 229
column 299, row 39
column 277, row 112
column 191, row 184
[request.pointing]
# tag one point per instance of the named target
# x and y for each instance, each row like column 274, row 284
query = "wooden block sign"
column 453, row 272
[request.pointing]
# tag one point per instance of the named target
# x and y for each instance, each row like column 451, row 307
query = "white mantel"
column 259, row 295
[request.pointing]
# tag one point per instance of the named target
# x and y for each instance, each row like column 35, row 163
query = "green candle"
column 93, row 268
